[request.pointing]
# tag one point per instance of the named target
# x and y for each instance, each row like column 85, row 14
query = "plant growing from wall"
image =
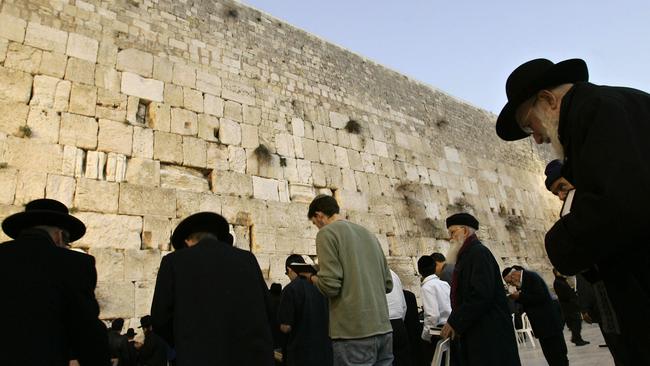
column 232, row 13
column 283, row 161
column 25, row 131
column 263, row 154
column 460, row 204
column 442, row 123
column 514, row 223
column 353, row 127
column 3, row 165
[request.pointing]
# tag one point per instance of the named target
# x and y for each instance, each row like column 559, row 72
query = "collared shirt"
column 396, row 300
column 436, row 303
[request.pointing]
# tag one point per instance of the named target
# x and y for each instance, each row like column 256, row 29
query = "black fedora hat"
column 130, row 332
column 208, row 222
column 528, row 79
column 45, row 212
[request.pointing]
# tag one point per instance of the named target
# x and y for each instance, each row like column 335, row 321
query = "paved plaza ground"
column 590, row 355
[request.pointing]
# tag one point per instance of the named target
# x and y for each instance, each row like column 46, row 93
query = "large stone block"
column 338, row 120
column 208, row 83
column 83, row 100
column 156, row 232
column 82, row 47
column 144, row 296
column 148, row 89
column 188, row 202
column 181, row 178
column 115, row 137
column 162, row 69
column 143, row 200
column 135, row 61
column 30, row 185
column 193, row 100
column 299, row 192
column 217, row 156
column 15, row 86
column 24, row 58
column 284, row 145
column 80, row 71
column 60, row 188
column 208, row 127
column 249, row 136
column 159, row 116
column 78, row 131
column 168, row 147
column 46, row 38
column 213, row 105
column 184, row 122
column 25, row 154
column 111, row 105
column 13, row 118
column 141, row 265
column 327, row 153
column 142, row 142
column 173, row 95
column 310, row 149
column 265, row 189
column 109, row 263
column 116, row 299
column 252, row 115
column 231, row 183
column 229, row 132
column 8, row 179
column 194, row 152
column 97, row 196
column 237, row 159
column 95, row 163
column 184, row 75
column 144, row 172
column 232, row 111
column 13, row 28
column 53, row 64
column 238, row 92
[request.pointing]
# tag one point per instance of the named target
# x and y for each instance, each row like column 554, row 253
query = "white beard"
column 552, row 135
column 452, row 253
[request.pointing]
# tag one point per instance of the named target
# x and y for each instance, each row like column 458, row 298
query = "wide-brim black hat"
column 208, row 222
column 528, row 79
column 44, row 212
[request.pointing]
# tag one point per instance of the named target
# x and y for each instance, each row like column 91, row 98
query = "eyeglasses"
column 524, row 123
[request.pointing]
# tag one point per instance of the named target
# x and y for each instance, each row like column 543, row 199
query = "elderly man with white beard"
column 480, row 317
column 601, row 133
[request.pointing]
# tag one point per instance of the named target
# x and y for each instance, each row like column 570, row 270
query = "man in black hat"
column 153, row 352
column 48, row 299
column 211, row 302
column 533, row 295
column 480, row 317
column 118, row 344
column 601, row 133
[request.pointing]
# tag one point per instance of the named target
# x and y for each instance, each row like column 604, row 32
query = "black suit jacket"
column 538, row 305
column 49, row 306
column 211, row 305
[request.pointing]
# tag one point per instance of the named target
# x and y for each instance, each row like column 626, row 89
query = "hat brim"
column 209, row 222
column 14, row 224
column 568, row 71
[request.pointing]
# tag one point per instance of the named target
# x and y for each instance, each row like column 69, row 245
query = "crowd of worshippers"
column 211, row 305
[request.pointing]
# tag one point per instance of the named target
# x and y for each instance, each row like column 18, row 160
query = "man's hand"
column 587, row 318
column 138, row 345
column 313, row 279
column 285, row 328
column 447, row 332
column 514, row 295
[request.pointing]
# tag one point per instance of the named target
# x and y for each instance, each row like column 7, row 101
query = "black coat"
column 153, row 351
column 604, row 131
column 211, row 305
column 48, row 304
column 566, row 296
column 480, row 316
column 537, row 303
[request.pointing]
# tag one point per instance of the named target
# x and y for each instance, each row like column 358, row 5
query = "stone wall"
column 136, row 113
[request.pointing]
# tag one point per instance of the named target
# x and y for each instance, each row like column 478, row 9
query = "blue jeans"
column 371, row 351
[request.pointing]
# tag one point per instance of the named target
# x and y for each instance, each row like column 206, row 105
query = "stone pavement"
column 590, row 354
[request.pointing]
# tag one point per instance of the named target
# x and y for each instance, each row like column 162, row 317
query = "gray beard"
column 452, row 253
column 551, row 128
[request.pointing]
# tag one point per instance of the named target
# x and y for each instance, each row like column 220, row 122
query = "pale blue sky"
column 468, row 48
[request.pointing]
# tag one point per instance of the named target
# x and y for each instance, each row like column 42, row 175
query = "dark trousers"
column 401, row 344
column 574, row 323
column 613, row 342
column 554, row 349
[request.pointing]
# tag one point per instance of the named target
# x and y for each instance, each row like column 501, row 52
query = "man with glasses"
column 600, row 132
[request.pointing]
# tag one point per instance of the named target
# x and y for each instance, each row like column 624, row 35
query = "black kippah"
column 464, row 219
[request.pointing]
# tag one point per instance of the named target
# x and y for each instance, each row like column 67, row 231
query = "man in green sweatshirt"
column 354, row 276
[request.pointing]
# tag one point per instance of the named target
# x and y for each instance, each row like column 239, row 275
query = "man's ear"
column 551, row 99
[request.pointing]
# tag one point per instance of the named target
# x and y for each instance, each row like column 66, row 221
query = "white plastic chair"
column 526, row 331
column 441, row 348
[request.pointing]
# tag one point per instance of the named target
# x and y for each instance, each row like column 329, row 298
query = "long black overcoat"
column 211, row 304
column 604, row 131
column 48, row 304
column 481, row 317
column 537, row 303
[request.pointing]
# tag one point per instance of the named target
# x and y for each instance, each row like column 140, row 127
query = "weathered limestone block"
column 331, row 135
column 231, row 183
column 30, row 185
column 184, row 122
column 8, row 177
column 159, row 116
column 249, row 136
column 144, row 172
column 25, row 154
column 208, row 127
column 109, row 263
column 83, row 100
column 82, row 47
column 135, row 61
column 310, row 149
column 348, row 181
column 78, row 131
column 107, row 54
column 148, row 89
column 181, row 178
column 238, row 92
column 141, row 265
column 265, row 189
column 452, row 154
column 142, row 142
column 299, row 192
column 95, row 163
column 326, row 153
column 13, row 118
column 60, row 188
column 341, row 157
column 233, row 111
column 304, row 171
column 97, row 196
column 111, row 105
column 132, row 110
column 15, row 86
column 213, row 105
column 237, row 159
column 162, row 69
column 24, row 58
column 53, row 64
column 115, row 167
column 156, row 232
column 188, row 203
column 252, row 115
column 115, row 137
column 298, row 127
column 173, row 95
column 284, row 145
column 297, row 146
column 144, row 296
column 381, row 149
column 208, row 83
column 80, row 71
column 143, row 200
column 168, row 147
column 70, row 157
column 338, row 120
column 229, row 132
column 116, row 299
column 272, row 169
column 193, row 100
column 217, row 157
column 12, row 28
column 184, row 75
column 46, row 38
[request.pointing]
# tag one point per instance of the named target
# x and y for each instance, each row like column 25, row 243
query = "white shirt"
column 396, row 300
column 436, row 303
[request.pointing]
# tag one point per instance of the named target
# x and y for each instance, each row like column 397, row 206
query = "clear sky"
column 468, row 48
